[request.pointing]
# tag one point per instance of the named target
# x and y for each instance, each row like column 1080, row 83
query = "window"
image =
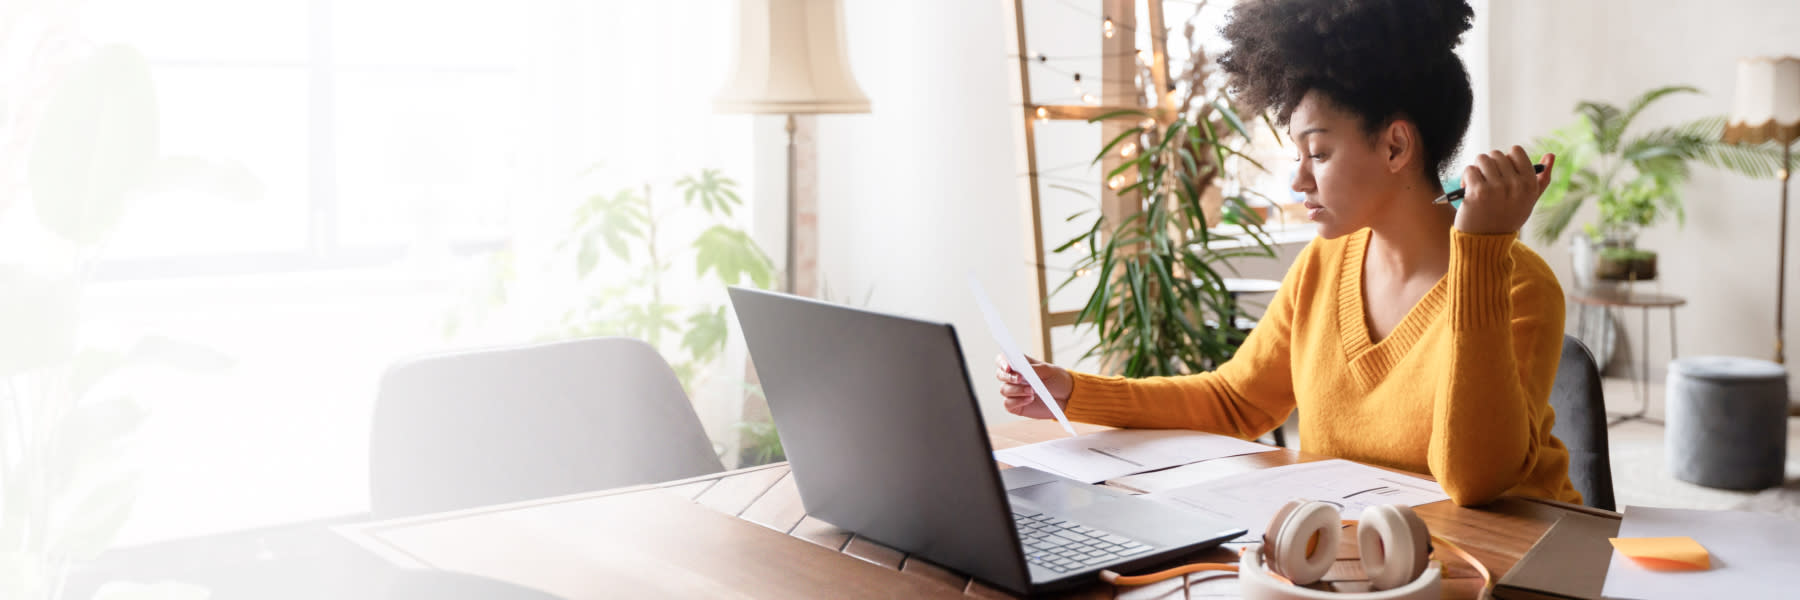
column 357, row 131
column 333, row 173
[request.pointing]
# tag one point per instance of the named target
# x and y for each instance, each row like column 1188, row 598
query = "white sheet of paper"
column 998, row 329
column 1104, row 455
column 1250, row 500
column 1752, row 555
column 1167, row 479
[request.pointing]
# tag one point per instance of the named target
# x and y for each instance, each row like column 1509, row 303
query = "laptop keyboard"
column 1064, row 546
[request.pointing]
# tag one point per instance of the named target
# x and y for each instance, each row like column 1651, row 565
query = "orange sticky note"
column 1665, row 553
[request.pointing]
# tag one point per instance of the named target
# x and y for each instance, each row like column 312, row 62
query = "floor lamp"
column 1767, row 107
column 790, row 60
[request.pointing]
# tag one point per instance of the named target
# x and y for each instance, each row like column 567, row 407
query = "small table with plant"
column 1635, row 179
column 1607, row 299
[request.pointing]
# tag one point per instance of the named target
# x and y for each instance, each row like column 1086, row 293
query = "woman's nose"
column 1303, row 179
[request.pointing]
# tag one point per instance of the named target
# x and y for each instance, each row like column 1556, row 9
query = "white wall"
column 1547, row 55
column 922, row 191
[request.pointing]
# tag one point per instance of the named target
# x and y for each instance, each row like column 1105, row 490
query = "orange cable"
column 1115, row 578
column 1487, row 579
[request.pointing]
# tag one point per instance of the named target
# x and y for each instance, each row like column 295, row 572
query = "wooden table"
column 744, row 534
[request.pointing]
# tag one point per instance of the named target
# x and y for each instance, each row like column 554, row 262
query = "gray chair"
column 499, row 425
column 1581, row 423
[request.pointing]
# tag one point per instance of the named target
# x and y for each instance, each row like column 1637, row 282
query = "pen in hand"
column 1457, row 194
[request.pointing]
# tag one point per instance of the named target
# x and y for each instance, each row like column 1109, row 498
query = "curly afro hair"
column 1381, row 60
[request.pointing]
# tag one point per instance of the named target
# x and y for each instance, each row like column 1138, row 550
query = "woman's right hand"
column 1021, row 399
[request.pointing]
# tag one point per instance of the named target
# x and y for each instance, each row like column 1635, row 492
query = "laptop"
column 885, row 439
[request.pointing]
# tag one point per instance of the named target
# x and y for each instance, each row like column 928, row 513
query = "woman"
column 1410, row 334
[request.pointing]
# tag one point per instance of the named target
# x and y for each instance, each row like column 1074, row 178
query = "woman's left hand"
column 1501, row 191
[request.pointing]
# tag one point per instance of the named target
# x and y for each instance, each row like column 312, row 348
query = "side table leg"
column 1672, row 353
column 1643, row 371
column 1644, row 362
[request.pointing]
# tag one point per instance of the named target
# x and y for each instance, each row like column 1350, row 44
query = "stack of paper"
column 1750, row 555
column 1104, row 455
column 1250, row 500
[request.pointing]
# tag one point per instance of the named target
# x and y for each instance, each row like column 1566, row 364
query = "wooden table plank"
column 649, row 544
column 735, row 493
column 1463, row 588
column 919, row 567
column 1498, row 534
column 692, row 490
column 978, row 589
column 779, row 508
column 821, row 533
column 874, row 552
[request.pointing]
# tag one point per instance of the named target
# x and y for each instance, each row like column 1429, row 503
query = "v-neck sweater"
column 1458, row 390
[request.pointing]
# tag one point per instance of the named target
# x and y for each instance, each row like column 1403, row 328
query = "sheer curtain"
column 336, row 185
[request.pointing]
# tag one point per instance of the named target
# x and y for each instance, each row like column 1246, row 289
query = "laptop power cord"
column 1113, row 577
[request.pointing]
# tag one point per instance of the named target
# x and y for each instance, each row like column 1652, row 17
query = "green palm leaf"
column 1641, row 102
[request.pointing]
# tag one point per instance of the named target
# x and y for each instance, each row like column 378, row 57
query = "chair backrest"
column 498, row 425
column 1581, row 423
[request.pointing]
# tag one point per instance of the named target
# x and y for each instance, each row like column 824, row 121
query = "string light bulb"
column 1078, row 91
column 1043, row 114
column 1128, row 149
column 1115, row 182
column 1081, row 272
column 1107, row 27
column 1145, row 57
column 1147, row 123
column 1090, row 99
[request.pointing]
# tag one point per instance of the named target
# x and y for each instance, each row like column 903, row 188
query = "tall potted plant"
column 68, row 474
column 1161, row 307
column 1635, row 181
column 628, row 265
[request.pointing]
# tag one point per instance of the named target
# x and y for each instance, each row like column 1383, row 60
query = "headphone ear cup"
column 1394, row 545
column 1272, row 535
column 1291, row 536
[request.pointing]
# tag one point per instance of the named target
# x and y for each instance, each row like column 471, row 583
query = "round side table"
column 1609, row 299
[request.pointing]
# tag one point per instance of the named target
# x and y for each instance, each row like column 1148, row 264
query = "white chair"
column 498, row 425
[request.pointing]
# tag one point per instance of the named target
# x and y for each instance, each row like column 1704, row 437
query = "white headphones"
column 1301, row 545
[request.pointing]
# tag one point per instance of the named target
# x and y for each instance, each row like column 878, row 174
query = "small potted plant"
column 1634, row 180
column 1623, row 214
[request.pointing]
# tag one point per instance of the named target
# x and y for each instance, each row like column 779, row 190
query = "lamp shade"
column 1767, row 105
column 790, row 60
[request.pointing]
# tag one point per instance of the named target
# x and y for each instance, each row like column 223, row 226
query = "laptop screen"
column 882, row 431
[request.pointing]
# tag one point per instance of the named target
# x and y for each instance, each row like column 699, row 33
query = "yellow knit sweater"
column 1459, row 390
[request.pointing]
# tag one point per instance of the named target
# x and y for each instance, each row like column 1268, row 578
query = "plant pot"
column 1625, row 265
column 1581, row 261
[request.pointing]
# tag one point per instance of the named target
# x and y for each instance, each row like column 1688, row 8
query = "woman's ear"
column 1399, row 144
